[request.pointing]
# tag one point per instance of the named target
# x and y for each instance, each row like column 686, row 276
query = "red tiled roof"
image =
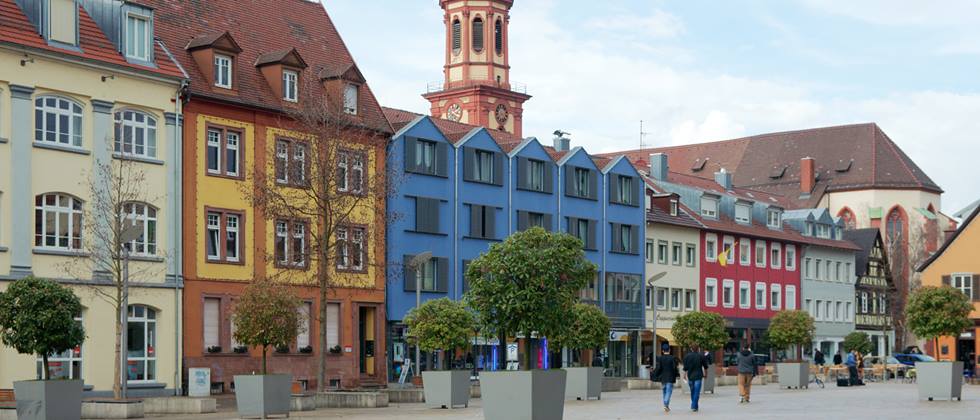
column 17, row 29
column 452, row 129
column 260, row 27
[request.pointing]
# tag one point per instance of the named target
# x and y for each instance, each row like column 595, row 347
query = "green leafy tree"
column 37, row 316
column 588, row 328
column 267, row 315
column 934, row 312
column 859, row 341
column 791, row 328
column 528, row 284
column 704, row 330
column 440, row 324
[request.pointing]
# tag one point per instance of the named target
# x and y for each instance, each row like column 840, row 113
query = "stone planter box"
column 262, row 395
column 302, row 403
column 405, row 395
column 612, row 384
column 633, row 383
column 351, row 400
column 447, row 389
column 708, row 384
column 110, row 409
column 524, row 395
column 179, row 405
column 48, row 400
column 582, row 383
column 793, row 375
column 942, row 380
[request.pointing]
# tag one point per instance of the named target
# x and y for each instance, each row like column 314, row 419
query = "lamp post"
column 128, row 235
column 416, row 263
column 653, row 306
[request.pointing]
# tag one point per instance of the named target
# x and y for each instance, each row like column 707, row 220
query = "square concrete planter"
column 344, row 399
column 48, row 400
column 583, row 383
column 446, row 388
column 793, row 375
column 523, row 395
column 259, row 396
column 113, row 409
column 942, row 380
column 708, row 385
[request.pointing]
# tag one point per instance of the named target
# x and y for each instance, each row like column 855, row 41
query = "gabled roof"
column 865, row 240
column 655, row 214
column 345, row 71
column 452, row 129
column 220, row 40
column 93, row 45
column 966, row 211
column 286, row 57
column 966, row 222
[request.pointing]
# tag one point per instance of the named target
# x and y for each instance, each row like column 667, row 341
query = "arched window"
column 478, row 34
column 850, row 221
column 57, row 221
column 457, row 36
column 498, row 36
column 895, row 225
column 57, row 121
column 64, row 365
column 136, row 134
column 141, row 344
column 144, row 216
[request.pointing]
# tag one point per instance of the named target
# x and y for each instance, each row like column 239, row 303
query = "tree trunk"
column 117, row 379
column 264, row 348
column 47, row 368
column 322, row 266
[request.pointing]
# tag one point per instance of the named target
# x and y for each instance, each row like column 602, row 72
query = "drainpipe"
column 177, row 226
column 455, row 202
column 510, row 196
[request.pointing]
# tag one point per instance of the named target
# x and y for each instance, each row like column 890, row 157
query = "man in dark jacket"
column 746, row 371
column 696, row 366
column 818, row 358
column 838, row 359
column 666, row 373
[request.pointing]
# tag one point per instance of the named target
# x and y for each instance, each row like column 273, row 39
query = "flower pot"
column 48, row 400
column 943, row 380
column 523, row 395
column 793, row 375
column 446, row 388
column 583, row 383
column 258, row 396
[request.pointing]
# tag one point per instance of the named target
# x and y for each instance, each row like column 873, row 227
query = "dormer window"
column 774, row 218
column 823, row 231
column 138, row 37
column 63, row 22
column 743, row 213
column 222, row 71
column 673, row 207
column 289, row 85
column 809, row 229
column 350, row 98
column 709, row 207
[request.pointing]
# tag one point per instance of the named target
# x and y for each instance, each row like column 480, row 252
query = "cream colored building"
column 83, row 84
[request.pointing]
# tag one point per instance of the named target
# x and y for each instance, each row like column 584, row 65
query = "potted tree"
column 859, row 341
column 589, row 329
column 442, row 324
column 792, row 329
column 37, row 316
column 266, row 316
column 527, row 285
column 934, row 312
column 702, row 330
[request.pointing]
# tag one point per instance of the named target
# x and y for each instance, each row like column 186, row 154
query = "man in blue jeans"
column 666, row 373
column 696, row 367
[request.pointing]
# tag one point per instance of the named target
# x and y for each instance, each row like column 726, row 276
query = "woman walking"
column 666, row 373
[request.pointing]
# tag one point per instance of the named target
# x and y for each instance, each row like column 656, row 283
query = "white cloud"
column 658, row 24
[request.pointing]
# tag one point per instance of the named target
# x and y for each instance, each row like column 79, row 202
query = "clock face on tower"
column 501, row 114
column 454, row 112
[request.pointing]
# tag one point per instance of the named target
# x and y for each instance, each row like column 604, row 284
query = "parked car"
column 910, row 359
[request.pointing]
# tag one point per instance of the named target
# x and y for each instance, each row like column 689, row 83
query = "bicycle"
column 814, row 379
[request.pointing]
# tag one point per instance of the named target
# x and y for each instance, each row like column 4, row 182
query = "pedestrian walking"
column 851, row 364
column 695, row 367
column 747, row 370
column 818, row 358
column 837, row 359
column 666, row 373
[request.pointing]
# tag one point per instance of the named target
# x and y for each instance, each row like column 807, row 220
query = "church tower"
column 477, row 88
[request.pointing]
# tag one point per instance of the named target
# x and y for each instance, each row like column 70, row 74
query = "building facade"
column 875, row 292
column 86, row 94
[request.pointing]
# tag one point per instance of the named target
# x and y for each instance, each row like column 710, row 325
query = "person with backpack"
column 666, row 373
column 852, row 369
column 696, row 367
column 747, row 370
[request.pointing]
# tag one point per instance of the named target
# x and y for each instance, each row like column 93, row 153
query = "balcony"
column 433, row 87
column 625, row 314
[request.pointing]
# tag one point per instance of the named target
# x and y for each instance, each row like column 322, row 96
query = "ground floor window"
column 141, row 344
column 64, row 365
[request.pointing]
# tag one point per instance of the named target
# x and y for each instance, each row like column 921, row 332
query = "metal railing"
column 433, row 87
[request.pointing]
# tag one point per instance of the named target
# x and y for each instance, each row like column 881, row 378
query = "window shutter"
column 442, row 274
column 432, row 215
column 947, row 281
column 469, row 160
column 490, row 229
column 476, row 220
column 637, row 191
column 212, row 322
column 410, row 145
column 333, row 325
column 572, row 226
column 613, row 188
column 409, row 273
column 549, row 177
column 498, row 168
column 522, row 165
column 569, row 172
column 591, row 235
column 547, row 222
column 635, row 245
column 593, row 185
column 521, row 220
column 976, row 287
column 420, row 210
column 442, row 160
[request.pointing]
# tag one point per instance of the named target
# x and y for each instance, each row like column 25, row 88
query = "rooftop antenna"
column 642, row 133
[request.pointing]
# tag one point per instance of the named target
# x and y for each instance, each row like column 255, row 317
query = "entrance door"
column 366, row 333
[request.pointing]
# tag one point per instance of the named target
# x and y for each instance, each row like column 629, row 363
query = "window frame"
column 483, row 166
column 290, row 85
column 662, row 250
column 744, row 287
column 760, row 287
column 147, row 37
column 660, row 298
column 966, row 279
column 73, row 214
column 713, row 249
column 675, row 300
column 223, row 147
column 352, row 98
column 148, row 127
column 73, row 116
column 291, row 161
column 149, row 236
column 690, row 299
column 149, row 343
column 675, row 253
column 775, row 291
column 289, row 237
column 477, row 36
column 351, row 247
column 776, row 257
column 222, row 245
column 535, row 174
column 774, row 222
column 690, row 255
column 729, row 286
column 790, row 259
column 624, row 192
column 711, row 299
column 747, row 208
column 711, row 214
column 72, row 357
column 761, row 249
column 745, row 252
column 790, row 304
column 224, row 62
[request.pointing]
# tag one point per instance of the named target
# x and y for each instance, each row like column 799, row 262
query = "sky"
column 704, row 70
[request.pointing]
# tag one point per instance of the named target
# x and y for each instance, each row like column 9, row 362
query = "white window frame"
column 690, row 296
column 305, row 325
column 144, row 215
column 775, row 291
column 776, row 259
column 838, row 266
column 223, row 74
column 745, row 252
column 816, row 274
column 839, row 311
column 744, row 289
column 728, row 245
column 711, row 292
column 828, row 309
column 827, row 270
column 790, row 258
column 711, row 251
column 126, row 122
column 351, row 100
column 823, row 231
column 848, row 272
column 233, row 225
column 691, row 255
column 790, row 296
column 70, row 136
column 676, row 304
column 649, row 297
column 650, row 251
column 676, row 248
column 149, row 343
column 818, row 308
column 760, row 290
column 729, row 286
column 66, row 358
column 660, row 298
column 663, row 247
column 292, row 233
column 774, row 218
column 132, row 46
column 673, row 207
column 213, row 142
column 72, row 214
column 745, row 218
column 711, row 209
column 962, row 282
column 760, row 252
column 849, row 311
column 864, row 302
column 808, row 268
column 290, row 88
column 809, row 307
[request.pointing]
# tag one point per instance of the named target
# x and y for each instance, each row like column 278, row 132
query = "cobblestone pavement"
column 874, row 401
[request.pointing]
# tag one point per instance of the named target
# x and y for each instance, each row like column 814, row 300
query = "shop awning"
column 665, row 334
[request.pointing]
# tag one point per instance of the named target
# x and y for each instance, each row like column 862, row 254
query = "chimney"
column 807, row 175
column 724, row 178
column 658, row 166
column 561, row 143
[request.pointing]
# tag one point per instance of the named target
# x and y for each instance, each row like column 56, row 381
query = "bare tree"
column 324, row 191
column 904, row 255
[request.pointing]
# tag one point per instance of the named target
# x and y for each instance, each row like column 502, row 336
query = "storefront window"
column 141, row 344
column 64, row 365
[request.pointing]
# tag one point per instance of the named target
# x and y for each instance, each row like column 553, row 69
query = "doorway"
column 367, row 336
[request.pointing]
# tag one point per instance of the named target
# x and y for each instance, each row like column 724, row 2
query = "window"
column 710, row 292
column 535, row 219
column 138, row 37
column 333, row 325
column 809, row 229
column 291, row 164
column 625, row 239
column 622, row 287
column 305, row 325
column 790, row 297
column 350, row 171
column 675, row 253
column 57, row 222
column 223, row 152
column 649, row 251
column 709, row 207
column 498, row 36
column 690, row 255
column 791, row 257
column 837, row 271
column 963, row 283
column 649, row 298
column 728, row 248
column 582, row 182
column 591, row 290
column 291, row 243
column 743, row 213
column 775, row 296
column 882, row 303
column 624, row 193
column 482, row 221
column 743, row 295
column 135, row 134
column 457, row 36
column 141, row 354
column 661, row 298
column 212, row 323
column 848, row 313
column 864, row 302
column 662, row 252
column 675, row 299
column 57, row 121
column 806, row 268
column 222, row 71
column 483, row 166
column 426, row 275
column 64, row 365
column 351, row 98
column 818, row 309
column 760, row 295
column 745, row 251
column 673, row 207
column 774, row 218
column 728, row 293
column 760, row 253
column 809, row 307
column 816, row 274
column 826, row 272
column 535, row 175
column 828, row 311
column 351, row 249
column 223, row 236
column 425, row 157
column 839, row 311
column 690, row 297
column 145, row 217
column 289, row 88
column 711, row 247
column 823, row 231
column 838, row 233
column 427, row 215
column 847, row 272
column 478, row 34
column 776, row 258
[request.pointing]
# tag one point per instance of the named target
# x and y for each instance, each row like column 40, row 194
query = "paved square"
column 874, row 401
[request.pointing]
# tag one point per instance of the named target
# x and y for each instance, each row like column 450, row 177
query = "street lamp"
column 128, row 235
column 417, row 263
column 653, row 297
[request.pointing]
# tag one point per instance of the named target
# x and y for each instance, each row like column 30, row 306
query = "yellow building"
column 85, row 87
column 956, row 264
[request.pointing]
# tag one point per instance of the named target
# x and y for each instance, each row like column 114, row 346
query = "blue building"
column 459, row 188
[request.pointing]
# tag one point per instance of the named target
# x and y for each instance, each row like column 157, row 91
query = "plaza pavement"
column 874, row 401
